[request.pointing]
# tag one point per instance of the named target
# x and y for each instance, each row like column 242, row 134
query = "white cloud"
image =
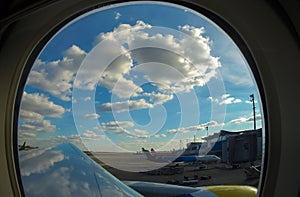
column 74, row 138
column 230, row 100
column 56, row 77
column 113, row 78
column 224, row 96
column 176, row 74
column 225, row 99
column 180, row 73
column 120, row 86
column 160, row 135
column 163, row 135
column 195, row 68
column 34, row 108
column 39, row 104
column 243, row 119
column 140, row 132
column 195, row 128
column 159, row 98
column 117, row 15
column 121, row 32
column 116, row 126
column 110, row 73
column 37, row 126
column 138, row 136
column 92, row 116
column 215, row 100
column 87, row 134
column 26, row 135
column 250, row 102
column 172, row 131
column 88, row 98
column 238, row 120
column 125, row 106
column 30, row 115
column 237, row 101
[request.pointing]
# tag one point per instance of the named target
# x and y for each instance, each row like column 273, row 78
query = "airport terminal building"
column 236, row 147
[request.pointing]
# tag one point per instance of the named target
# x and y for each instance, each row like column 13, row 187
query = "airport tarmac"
column 136, row 164
column 128, row 161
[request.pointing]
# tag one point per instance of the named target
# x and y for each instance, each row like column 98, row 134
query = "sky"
column 137, row 75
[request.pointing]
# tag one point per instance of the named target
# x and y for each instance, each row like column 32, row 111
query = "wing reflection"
column 39, row 161
column 66, row 171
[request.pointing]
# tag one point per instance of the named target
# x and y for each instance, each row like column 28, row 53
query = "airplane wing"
column 65, row 170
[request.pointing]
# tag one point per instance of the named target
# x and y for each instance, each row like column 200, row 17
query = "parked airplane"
column 175, row 157
column 266, row 31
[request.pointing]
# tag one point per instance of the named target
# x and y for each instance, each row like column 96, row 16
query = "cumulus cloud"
column 225, row 99
column 163, row 135
column 73, row 136
column 56, row 77
column 243, row 119
column 40, row 104
column 176, row 74
column 86, row 135
column 125, row 106
column 37, row 126
column 113, row 78
column 92, row 116
column 195, row 66
column 25, row 134
column 160, row 135
column 138, row 136
column 140, row 132
column 122, row 127
column 34, row 108
column 91, row 135
column 30, row 115
column 116, row 126
column 230, row 100
column 224, row 96
column 194, row 128
column 159, row 98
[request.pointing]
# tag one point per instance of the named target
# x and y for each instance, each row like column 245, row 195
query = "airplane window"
column 149, row 92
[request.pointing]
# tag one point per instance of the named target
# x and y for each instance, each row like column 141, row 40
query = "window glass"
column 140, row 88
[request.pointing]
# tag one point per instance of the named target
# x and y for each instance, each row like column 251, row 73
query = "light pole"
column 253, row 104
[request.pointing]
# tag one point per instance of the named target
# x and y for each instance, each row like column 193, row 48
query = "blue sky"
column 136, row 75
